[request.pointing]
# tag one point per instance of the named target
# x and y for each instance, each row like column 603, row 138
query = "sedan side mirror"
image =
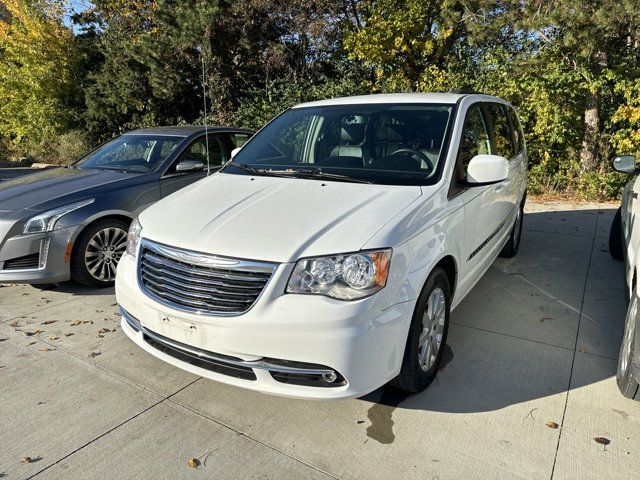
column 487, row 169
column 189, row 166
column 624, row 163
column 234, row 152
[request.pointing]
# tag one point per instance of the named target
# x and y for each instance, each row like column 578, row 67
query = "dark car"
column 71, row 222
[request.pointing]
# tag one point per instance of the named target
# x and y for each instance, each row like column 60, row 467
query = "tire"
column 106, row 238
column 419, row 365
column 510, row 248
column 627, row 384
column 615, row 237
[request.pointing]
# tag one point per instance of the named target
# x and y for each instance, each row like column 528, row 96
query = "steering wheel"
column 416, row 154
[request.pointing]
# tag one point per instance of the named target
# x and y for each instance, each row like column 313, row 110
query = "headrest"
column 352, row 133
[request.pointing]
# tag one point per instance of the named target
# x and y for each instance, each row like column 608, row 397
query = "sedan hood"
column 46, row 187
column 274, row 219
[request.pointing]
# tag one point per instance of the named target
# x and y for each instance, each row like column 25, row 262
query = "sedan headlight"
column 349, row 276
column 134, row 236
column 46, row 222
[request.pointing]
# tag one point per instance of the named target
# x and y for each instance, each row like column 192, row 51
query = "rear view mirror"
column 234, row 152
column 487, row 169
column 624, row 163
column 189, row 166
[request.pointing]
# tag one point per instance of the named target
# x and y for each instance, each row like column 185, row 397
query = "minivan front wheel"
column 97, row 252
column 427, row 335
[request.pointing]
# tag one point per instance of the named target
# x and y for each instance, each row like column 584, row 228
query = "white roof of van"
column 387, row 98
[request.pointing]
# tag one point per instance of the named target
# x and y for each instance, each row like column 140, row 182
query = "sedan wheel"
column 97, row 251
column 103, row 253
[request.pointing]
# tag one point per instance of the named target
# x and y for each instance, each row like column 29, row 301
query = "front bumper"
column 360, row 341
column 36, row 258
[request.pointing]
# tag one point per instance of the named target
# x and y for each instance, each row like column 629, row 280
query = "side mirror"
column 189, row 166
column 487, row 169
column 624, row 163
column 234, row 152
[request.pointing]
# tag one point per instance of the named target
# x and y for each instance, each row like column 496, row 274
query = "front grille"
column 22, row 263
column 200, row 283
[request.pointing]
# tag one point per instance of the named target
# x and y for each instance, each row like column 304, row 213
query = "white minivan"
column 324, row 260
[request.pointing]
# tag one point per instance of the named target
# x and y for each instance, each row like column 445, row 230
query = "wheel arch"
column 121, row 216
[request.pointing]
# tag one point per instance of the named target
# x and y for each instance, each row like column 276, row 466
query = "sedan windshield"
column 389, row 144
column 131, row 153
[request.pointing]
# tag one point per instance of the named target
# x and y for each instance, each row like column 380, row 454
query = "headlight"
column 133, row 237
column 346, row 277
column 46, row 222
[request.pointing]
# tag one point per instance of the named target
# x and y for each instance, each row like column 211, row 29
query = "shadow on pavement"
column 513, row 338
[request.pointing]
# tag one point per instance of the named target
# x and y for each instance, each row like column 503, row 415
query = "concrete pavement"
column 535, row 342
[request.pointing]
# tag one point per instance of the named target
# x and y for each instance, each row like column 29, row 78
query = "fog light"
column 329, row 377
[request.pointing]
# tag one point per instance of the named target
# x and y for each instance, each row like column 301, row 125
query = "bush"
column 66, row 148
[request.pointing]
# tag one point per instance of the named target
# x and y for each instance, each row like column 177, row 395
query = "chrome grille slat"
column 200, row 283
column 202, row 273
column 199, row 295
column 197, row 281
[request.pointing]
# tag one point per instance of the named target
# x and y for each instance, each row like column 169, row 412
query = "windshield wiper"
column 316, row 173
column 247, row 168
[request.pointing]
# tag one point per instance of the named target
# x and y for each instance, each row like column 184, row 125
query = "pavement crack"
column 133, row 417
column 575, row 345
column 253, row 439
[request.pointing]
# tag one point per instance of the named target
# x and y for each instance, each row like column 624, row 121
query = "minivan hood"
column 46, row 188
column 274, row 219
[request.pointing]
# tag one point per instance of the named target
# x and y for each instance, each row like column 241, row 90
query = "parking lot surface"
column 527, row 387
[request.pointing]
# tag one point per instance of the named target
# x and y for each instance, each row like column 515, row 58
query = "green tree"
column 38, row 67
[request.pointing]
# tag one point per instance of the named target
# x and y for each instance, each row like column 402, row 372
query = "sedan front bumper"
column 36, row 258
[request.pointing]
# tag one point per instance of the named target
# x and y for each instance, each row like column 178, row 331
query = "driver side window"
column 474, row 140
column 197, row 151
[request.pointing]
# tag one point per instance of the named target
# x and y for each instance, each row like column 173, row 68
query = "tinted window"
column 475, row 138
column 239, row 139
column 197, row 151
column 518, row 134
column 502, row 139
column 135, row 153
column 390, row 144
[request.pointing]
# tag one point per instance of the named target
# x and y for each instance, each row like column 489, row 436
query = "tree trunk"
column 589, row 148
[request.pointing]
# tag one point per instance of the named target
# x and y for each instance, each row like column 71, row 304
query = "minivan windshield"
column 382, row 143
column 131, row 153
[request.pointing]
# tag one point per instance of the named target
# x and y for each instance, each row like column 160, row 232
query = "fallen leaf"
column 94, row 354
column 99, row 311
column 53, row 338
column 37, row 331
column 114, row 304
column 69, row 334
column 104, row 330
column 118, row 314
column 193, row 463
column 31, row 343
column 544, row 319
column 3, row 339
column 25, row 460
column 602, row 440
column 48, row 322
column 47, row 349
column 24, row 294
column 100, row 336
column 76, row 323
column 552, row 425
column 15, row 323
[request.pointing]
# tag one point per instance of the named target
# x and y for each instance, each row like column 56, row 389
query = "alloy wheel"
column 433, row 322
column 103, row 253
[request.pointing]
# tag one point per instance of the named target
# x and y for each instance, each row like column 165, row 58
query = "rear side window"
column 518, row 134
column 502, row 138
column 239, row 139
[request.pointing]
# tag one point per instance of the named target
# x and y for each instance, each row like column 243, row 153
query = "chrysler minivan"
column 323, row 261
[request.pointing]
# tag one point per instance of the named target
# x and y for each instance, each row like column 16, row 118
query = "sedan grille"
column 200, row 283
